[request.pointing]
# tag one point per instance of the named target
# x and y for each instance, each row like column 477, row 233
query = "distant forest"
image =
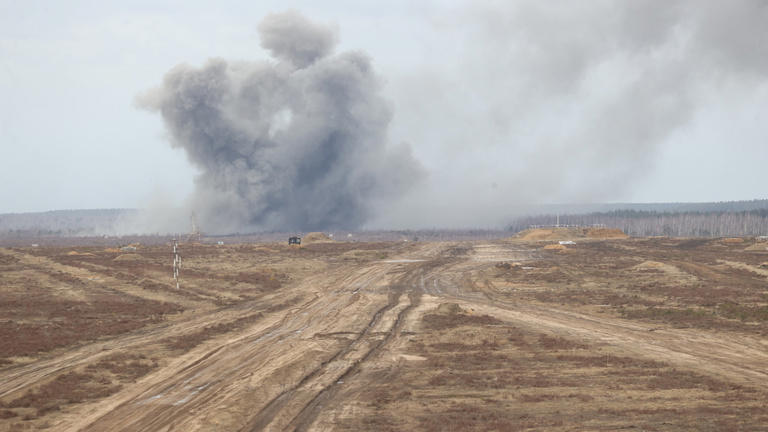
column 713, row 219
column 60, row 222
column 642, row 223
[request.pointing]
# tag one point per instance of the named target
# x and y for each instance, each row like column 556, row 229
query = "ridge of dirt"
column 569, row 233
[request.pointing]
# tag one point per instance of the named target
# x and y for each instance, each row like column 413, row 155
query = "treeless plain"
column 603, row 334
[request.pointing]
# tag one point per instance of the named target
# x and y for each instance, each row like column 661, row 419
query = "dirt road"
column 306, row 362
column 271, row 374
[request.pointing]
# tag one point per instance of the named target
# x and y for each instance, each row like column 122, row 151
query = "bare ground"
column 645, row 334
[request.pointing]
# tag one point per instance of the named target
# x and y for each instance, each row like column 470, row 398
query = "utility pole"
column 176, row 262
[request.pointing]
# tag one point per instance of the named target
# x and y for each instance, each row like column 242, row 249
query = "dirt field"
column 605, row 334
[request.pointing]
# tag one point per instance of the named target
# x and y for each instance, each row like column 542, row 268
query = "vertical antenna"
column 176, row 262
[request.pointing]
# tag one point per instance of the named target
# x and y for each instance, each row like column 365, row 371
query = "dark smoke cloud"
column 299, row 143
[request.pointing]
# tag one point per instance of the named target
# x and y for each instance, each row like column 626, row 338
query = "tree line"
column 652, row 223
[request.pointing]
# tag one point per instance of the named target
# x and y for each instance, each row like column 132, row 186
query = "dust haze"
column 568, row 102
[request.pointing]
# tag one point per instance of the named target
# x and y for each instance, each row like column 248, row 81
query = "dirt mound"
column 538, row 234
column 76, row 253
column 650, row 265
column 732, row 240
column 449, row 309
column 555, row 247
column 129, row 257
column 762, row 246
column 316, row 237
column 542, row 234
column 605, row 233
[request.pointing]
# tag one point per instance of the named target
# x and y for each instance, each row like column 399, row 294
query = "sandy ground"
column 645, row 334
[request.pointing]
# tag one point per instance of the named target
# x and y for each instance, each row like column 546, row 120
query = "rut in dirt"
column 307, row 414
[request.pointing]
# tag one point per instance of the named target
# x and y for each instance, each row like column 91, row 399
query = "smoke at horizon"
column 513, row 105
column 298, row 142
column 531, row 102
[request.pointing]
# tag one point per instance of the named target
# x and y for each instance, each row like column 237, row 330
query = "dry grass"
column 40, row 322
column 682, row 283
column 126, row 367
column 191, row 340
column 513, row 379
column 68, row 388
column 441, row 321
column 750, row 313
column 94, row 381
column 452, row 370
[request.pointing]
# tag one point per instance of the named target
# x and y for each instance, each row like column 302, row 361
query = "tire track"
column 222, row 377
column 267, row 414
column 309, row 412
column 738, row 357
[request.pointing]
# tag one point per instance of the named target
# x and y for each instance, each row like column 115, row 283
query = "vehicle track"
column 267, row 414
column 741, row 358
column 17, row 378
column 239, row 374
column 310, row 411
column 282, row 372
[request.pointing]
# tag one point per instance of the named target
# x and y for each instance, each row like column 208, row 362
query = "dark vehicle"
column 294, row 240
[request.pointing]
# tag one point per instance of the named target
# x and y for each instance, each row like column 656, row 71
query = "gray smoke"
column 297, row 143
column 569, row 102
column 293, row 38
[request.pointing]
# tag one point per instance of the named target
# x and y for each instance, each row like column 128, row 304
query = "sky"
column 503, row 104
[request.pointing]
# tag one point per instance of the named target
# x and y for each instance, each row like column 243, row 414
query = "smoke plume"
column 294, row 143
column 532, row 102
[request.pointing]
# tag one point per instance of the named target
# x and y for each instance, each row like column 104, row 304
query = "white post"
column 176, row 262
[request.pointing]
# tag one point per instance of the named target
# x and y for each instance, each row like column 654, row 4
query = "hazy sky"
column 503, row 103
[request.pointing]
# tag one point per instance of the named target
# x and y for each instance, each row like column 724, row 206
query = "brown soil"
column 128, row 257
column 539, row 234
column 605, row 233
column 315, row 237
column 637, row 334
column 760, row 246
column 733, row 240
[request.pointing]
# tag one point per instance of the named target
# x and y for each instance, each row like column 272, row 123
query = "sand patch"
column 409, row 357
column 129, row 257
column 762, row 246
column 733, row 240
column 556, row 233
column 449, row 309
column 316, row 237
